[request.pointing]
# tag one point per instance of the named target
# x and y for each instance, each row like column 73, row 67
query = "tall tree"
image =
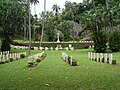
column 12, row 17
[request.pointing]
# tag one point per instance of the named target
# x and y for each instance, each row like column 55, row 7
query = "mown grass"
column 54, row 74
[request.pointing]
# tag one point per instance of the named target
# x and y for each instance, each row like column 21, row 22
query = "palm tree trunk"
column 24, row 28
column 43, row 23
column 29, row 59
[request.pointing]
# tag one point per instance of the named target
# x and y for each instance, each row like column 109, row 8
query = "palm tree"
column 30, row 2
column 43, row 22
column 34, row 2
column 56, row 9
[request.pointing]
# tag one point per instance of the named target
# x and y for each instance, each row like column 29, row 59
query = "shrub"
column 113, row 62
column 22, row 55
column 103, row 60
column 5, row 46
column 100, row 40
column 114, row 41
column 31, row 63
column 68, row 59
column 11, row 59
column 38, row 60
column 108, row 60
column 95, row 59
column 2, row 62
column 44, row 55
column 74, row 63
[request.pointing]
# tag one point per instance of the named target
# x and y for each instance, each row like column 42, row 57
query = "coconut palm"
column 43, row 22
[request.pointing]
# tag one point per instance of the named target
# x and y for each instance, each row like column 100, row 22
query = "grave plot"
column 101, row 57
column 35, row 59
column 6, row 56
column 69, row 59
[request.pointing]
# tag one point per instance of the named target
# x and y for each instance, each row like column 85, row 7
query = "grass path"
column 54, row 74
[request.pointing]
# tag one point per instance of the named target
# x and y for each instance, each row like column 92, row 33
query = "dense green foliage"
column 12, row 15
column 76, row 21
column 22, row 55
column 5, row 46
column 100, row 41
column 114, row 41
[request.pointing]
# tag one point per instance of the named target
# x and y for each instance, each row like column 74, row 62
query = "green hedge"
column 65, row 44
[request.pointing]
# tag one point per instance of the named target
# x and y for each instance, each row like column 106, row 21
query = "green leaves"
column 12, row 17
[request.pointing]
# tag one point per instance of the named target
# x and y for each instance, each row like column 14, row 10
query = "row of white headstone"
column 65, row 58
column 100, row 57
column 23, row 47
column 51, row 48
column 5, row 56
column 38, row 55
column 72, row 41
column 86, row 41
column 43, row 48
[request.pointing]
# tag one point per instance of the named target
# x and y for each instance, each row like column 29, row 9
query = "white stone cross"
column 58, row 36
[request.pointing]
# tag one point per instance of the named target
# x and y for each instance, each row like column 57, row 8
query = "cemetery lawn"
column 54, row 74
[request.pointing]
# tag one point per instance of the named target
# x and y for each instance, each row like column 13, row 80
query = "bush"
column 113, row 62
column 100, row 40
column 2, row 62
column 5, row 46
column 74, row 63
column 11, row 59
column 31, row 63
column 22, row 55
column 38, row 60
column 114, row 41
column 103, row 60
column 68, row 59
column 44, row 55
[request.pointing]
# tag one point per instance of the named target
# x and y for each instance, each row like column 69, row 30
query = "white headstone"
column 110, row 58
column 3, row 58
column 71, row 60
column 0, row 58
column 94, row 56
column 70, row 45
column 56, row 48
column 58, row 40
column 66, row 48
column 97, row 57
column 90, row 47
column 101, row 57
column 7, row 57
column 66, row 58
column 0, row 53
column 105, row 58
column 89, row 55
column 10, row 55
column 14, row 56
column 46, row 48
column 18, row 55
column 51, row 48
